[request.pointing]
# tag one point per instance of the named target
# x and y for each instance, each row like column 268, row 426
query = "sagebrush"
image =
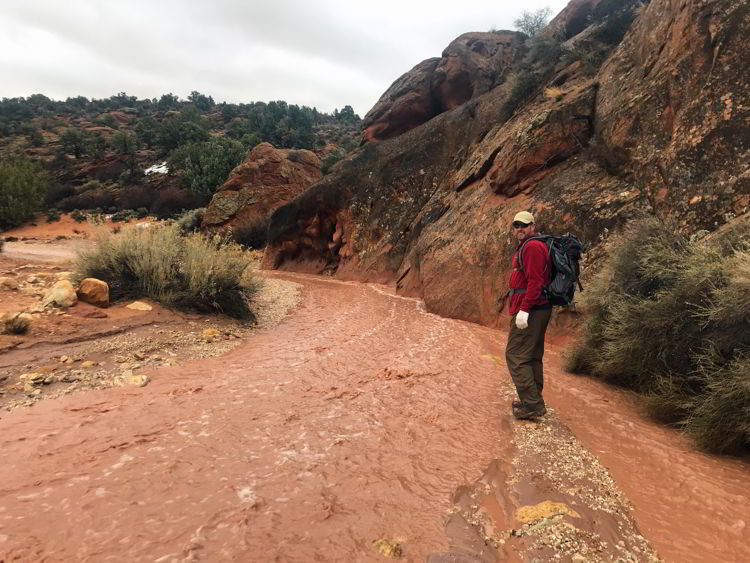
column 193, row 271
column 670, row 318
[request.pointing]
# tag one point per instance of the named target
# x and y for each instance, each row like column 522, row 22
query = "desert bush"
column 91, row 199
column 123, row 215
column 136, row 197
column 78, row 216
column 669, row 319
column 190, row 221
column 330, row 160
column 52, row 215
column 253, row 234
column 172, row 201
column 16, row 323
column 194, row 271
column 203, row 166
column 23, row 188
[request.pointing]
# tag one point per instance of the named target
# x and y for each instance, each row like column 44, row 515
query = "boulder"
column 139, row 306
column 94, row 292
column 269, row 177
column 8, row 284
column 470, row 66
column 61, row 294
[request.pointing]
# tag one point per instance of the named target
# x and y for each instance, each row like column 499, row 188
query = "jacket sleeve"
column 535, row 267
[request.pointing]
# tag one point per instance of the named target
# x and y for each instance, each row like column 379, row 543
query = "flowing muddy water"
column 359, row 418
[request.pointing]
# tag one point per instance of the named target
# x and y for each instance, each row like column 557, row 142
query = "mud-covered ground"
column 87, row 347
column 354, row 426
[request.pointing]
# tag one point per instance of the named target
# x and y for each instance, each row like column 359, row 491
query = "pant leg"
column 538, row 322
column 520, row 357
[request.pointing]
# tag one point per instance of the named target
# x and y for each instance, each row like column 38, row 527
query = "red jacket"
column 534, row 276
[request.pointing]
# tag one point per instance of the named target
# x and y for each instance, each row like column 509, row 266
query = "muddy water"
column 357, row 419
column 691, row 506
column 353, row 421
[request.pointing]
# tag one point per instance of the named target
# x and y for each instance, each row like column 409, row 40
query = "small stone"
column 139, row 306
column 64, row 359
column 389, row 548
column 8, row 284
column 139, row 356
column 210, row 332
column 33, row 378
column 88, row 364
column 135, row 380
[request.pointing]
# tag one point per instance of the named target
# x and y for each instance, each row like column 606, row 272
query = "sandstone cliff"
column 662, row 126
column 266, row 179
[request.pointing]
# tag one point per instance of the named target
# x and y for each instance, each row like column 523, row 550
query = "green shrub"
column 123, row 215
column 52, row 215
column 23, row 188
column 190, row 221
column 669, row 319
column 78, row 216
column 252, row 234
column 194, row 271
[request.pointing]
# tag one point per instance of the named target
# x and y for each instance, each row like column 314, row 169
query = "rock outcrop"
column 269, row 177
column 662, row 127
column 471, row 65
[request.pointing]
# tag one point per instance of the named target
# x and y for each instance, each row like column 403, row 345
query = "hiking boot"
column 528, row 414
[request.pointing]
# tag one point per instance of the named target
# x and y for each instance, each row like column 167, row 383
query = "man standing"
column 530, row 312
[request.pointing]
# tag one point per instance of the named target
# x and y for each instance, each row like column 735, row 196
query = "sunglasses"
column 519, row 225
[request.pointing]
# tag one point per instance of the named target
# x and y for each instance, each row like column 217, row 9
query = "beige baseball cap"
column 524, row 217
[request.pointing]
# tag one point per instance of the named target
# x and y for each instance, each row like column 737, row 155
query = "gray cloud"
column 325, row 54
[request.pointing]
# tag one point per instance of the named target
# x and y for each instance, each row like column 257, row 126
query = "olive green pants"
column 524, row 353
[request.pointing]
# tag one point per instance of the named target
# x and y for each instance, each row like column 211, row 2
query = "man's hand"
column 522, row 320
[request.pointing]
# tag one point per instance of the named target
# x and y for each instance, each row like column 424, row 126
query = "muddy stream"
column 359, row 418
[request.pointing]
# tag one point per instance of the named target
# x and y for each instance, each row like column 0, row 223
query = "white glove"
column 522, row 320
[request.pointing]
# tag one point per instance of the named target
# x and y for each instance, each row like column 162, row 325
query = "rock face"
column 268, row 178
column 662, row 127
column 61, row 294
column 94, row 291
column 471, row 65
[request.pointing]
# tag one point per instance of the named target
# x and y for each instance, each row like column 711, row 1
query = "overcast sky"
column 324, row 53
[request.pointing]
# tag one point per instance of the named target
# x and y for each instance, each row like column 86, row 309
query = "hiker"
column 530, row 313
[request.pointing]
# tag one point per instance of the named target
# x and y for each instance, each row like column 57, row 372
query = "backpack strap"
column 542, row 238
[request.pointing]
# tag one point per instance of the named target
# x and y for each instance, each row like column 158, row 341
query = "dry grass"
column 189, row 271
column 671, row 320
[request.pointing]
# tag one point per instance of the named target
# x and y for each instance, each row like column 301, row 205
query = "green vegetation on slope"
column 23, row 188
column 98, row 150
column 670, row 319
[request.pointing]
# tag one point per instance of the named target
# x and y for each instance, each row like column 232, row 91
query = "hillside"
column 158, row 155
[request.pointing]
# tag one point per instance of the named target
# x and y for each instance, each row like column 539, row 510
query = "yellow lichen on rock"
column 544, row 509
column 389, row 548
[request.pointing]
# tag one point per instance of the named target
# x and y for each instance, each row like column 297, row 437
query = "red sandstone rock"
column 471, row 65
column 94, row 291
column 268, row 178
column 661, row 129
